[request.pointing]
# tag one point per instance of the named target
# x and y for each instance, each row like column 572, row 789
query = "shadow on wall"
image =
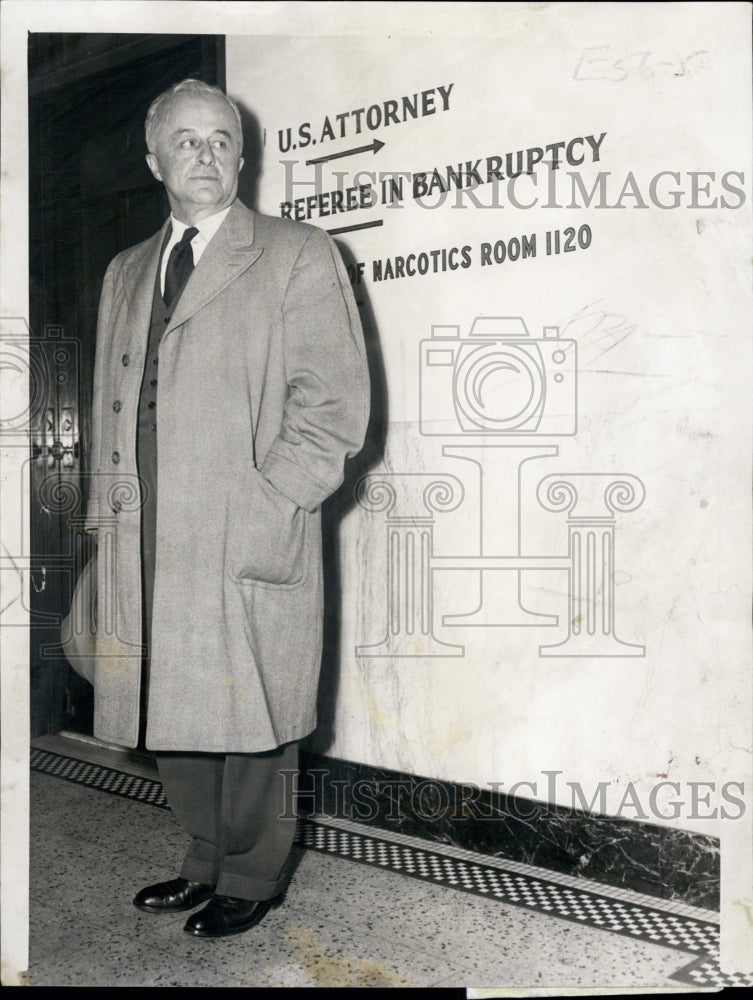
column 334, row 510
column 253, row 153
column 371, row 454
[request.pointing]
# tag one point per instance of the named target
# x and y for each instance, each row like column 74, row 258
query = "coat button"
column 116, row 457
column 116, row 405
column 154, row 383
column 152, row 404
column 125, row 359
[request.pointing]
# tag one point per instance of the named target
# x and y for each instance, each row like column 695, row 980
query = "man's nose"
column 206, row 153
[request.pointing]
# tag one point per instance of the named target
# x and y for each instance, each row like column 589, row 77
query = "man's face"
column 197, row 156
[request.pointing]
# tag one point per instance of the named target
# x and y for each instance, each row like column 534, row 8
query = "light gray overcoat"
column 263, row 393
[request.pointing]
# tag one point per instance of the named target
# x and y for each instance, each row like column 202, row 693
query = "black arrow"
column 360, row 225
column 374, row 146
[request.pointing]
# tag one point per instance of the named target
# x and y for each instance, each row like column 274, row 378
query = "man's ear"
column 151, row 160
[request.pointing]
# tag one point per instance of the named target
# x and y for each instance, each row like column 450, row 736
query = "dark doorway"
column 90, row 196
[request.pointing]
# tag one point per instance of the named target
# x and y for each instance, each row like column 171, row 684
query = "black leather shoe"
column 173, row 896
column 225, row 915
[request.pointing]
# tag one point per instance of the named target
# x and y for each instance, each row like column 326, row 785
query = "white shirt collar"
column 207, row 228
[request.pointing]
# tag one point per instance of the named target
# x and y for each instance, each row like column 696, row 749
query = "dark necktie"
column 179, row 266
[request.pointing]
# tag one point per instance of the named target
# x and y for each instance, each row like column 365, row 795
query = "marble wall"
column 540, row 561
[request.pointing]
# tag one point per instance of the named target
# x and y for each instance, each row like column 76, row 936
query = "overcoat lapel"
column 228, row 255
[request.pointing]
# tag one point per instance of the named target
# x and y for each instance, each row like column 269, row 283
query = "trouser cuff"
column 248, row 887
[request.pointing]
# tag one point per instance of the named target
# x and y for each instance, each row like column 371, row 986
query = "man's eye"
column 188, row 143
column 220, row 144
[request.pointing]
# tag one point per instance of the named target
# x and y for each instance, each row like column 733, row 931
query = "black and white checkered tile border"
column 663, row 928
column 104, row 779
column 658, row 926
column 705, row 971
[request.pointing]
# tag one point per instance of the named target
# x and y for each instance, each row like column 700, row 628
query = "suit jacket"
column 263, row 393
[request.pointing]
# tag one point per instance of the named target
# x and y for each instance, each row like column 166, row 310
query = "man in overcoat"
column 230, row 386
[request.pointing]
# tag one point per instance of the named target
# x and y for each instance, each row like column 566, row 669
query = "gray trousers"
column 239, row 810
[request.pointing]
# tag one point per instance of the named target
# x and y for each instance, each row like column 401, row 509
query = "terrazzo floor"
column 342, row 923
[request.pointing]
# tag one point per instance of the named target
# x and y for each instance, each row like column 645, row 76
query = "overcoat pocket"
column 266, row 536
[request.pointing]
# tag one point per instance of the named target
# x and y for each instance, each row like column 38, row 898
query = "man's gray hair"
column 158, row 107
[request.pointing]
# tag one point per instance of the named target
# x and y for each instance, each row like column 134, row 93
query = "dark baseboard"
column 657, row 860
